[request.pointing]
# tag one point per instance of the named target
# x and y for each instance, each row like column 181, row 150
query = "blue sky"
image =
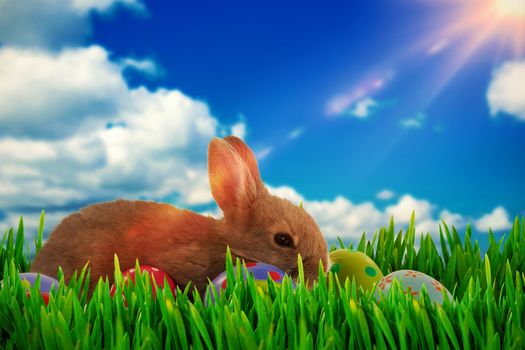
column 361, row 110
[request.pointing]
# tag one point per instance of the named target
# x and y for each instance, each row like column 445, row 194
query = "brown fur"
column 186, row 245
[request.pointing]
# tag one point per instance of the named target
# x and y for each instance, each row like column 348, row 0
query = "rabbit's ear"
column 247, row 155
column 232, row 184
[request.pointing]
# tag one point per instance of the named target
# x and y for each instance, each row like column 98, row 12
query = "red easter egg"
column 155, row 274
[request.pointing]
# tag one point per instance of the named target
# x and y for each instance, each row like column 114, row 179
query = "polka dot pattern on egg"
column 412, row 282
column 347, row 264
column 335, row 267
column 276, row 276
column 370, row 271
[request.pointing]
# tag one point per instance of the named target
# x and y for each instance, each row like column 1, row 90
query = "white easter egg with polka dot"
column 412, row 282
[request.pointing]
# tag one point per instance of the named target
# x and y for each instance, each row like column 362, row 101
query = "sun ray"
column 462, row 29
column 456, row 61
column 458, row 20
column 467, row 27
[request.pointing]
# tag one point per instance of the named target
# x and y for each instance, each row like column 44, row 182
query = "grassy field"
column 488, row 310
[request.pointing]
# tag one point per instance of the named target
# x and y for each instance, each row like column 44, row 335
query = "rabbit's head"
column 257, row 225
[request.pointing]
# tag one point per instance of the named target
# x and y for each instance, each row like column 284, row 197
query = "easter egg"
column 47, row 283
column 155, row 274
column 260, row 272
column 354, row 264
column 412, row 282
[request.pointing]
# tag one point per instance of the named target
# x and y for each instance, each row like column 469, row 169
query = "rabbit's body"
column 187, row 246
column 179, row 242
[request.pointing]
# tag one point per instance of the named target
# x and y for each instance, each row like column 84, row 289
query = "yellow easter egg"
column 354, row 264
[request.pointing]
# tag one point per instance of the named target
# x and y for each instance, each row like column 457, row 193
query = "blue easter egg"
column 260, row 272
column 28, row 279
column 46, row 283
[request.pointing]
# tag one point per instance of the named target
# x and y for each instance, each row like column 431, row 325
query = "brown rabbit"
column 187, row 246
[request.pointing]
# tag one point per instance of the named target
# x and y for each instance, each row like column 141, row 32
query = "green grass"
column 488, row 311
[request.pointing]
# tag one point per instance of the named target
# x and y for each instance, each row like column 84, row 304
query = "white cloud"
column 49, row 95
column 438, row 47
column 51, row 23
column 360, row 105
column 263, row 153
column 145, row 66
column 363, row 108
column 84, row 6
column 506, row 92
column 239, row 129
column 142, row 144
column 295, row 133
column 497, row 220
column 385, row 194
column 31, row 223
column 414, row 122
column 403, row 209
column 341, row 217
column 338, row 104
column 286, row 192
column 359, row 98
column 452, row 219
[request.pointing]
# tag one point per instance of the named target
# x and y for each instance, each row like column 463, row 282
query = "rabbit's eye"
column 283, row 239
